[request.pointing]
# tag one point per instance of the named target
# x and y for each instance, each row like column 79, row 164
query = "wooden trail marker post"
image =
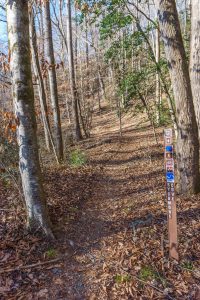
column 170, row 191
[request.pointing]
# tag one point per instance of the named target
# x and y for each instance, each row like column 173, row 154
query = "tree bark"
column 187, row 133
column 49, row 52
column 76, row 130
column 41, row 47
column 39, row 79
column 195, row 58
column 20, row 66
column 158, row 89
column 86, row 44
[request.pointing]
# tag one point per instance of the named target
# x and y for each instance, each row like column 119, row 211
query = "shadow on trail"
column 135, row 158
column 97, row 228
column 79, row 219
column 75, row 206
column 113, row 181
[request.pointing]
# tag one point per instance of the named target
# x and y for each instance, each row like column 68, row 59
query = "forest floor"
column 110, row 220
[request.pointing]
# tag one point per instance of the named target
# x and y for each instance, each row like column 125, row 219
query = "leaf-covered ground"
column 110, row 220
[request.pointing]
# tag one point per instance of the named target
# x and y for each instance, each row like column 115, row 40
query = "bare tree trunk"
column 41, row 46
column 76, row 53
column 187, row 139
column 77, row 130
column 65, row 79
column 99, row 70
column 82, row 94
column 86, row 44
column 18, row 35
column 101, row 82
column 49, row 51
column 41, row 89
column 87, row 75
column 158, row 96
column 119, row 108
column 195, row 58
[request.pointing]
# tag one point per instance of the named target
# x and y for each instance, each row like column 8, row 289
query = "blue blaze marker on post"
column 170, row 176
column 169, row 148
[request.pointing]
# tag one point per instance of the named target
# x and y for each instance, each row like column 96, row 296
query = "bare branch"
column 2, row 7
column 145, row 15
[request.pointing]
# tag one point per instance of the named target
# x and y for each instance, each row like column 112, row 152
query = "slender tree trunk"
column 20, row 65
column 41, row 47
column 101, row 81
column 76, row 53
column 158, row 96
column 99, row 70
column 82, row 94
column 77, row 130
column 65, row 79
column 100, row 75
column 195, row 58
column 86, row 44
column 119, row 108
column 49, row 51
column 87, row 75
column 187, row 139
column 41, row 89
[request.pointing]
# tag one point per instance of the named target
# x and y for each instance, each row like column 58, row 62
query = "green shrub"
column 147, row 273
column 77, row 158
column 122, row 278
column 187, row 265
column 51, row 253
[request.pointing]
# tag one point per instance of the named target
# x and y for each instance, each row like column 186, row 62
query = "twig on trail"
column 31, row 266
column 149, row 284
column 190, row 270
column 39, row 264
column 152, row 286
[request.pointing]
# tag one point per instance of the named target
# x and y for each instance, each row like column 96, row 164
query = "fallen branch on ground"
column 149, row 284
column 38, row 264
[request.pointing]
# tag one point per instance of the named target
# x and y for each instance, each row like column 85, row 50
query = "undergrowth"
column 77, row 158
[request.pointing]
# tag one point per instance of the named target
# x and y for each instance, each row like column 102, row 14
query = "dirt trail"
column 126, row 172
column 111, row 216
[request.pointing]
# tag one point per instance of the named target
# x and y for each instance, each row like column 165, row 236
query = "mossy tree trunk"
column 20, row 66
column 187, row 132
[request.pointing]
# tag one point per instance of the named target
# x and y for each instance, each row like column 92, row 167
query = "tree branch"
column 145, row 15
column 2, row 7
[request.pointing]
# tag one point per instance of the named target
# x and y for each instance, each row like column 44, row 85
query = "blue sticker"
column 169, row 148
column 170, row 177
